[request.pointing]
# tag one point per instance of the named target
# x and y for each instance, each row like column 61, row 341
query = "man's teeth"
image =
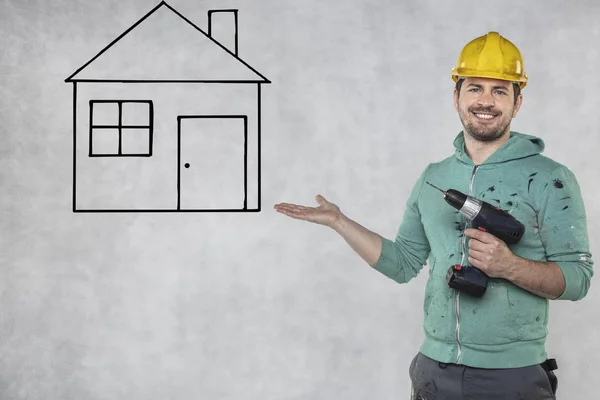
column 485, row 116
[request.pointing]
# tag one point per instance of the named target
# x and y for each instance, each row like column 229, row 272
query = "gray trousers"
column 434, row 380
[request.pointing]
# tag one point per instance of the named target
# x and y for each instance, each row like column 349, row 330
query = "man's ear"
column 455, row 96
column 518, row 105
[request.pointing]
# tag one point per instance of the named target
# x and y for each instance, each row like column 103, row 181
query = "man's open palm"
column 325, row 214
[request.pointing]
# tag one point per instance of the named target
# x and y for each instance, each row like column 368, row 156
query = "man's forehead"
column 486, row 82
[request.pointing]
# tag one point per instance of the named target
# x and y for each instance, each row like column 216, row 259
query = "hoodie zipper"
column 462, row 262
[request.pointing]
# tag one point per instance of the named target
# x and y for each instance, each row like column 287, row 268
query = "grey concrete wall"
column 260, row 306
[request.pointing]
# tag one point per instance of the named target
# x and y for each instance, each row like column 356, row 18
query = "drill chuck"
column 466, row 205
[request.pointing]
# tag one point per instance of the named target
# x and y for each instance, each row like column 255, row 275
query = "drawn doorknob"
column 187, row 165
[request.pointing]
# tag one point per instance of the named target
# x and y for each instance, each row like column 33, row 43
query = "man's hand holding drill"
column 490, row 254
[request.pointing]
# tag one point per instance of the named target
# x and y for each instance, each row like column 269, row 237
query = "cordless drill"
column 487, row 218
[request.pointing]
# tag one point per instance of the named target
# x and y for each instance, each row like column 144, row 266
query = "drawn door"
column 212, row 163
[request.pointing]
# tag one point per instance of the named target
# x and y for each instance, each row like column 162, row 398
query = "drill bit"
column 443, row 191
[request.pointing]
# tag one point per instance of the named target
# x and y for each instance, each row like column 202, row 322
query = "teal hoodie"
column 507, row 327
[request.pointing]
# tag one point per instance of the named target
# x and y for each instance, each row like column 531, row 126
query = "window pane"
column 105, row 114
column 135, row 141
column 136, row 114
column 105, row 141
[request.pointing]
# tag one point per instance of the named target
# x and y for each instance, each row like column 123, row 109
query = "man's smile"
column 484, row 116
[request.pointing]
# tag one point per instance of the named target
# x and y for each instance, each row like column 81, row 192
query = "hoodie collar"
column 518, row 145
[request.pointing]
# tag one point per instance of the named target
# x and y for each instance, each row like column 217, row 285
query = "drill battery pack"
column 467, row 279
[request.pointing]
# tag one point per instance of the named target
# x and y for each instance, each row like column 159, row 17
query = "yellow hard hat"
column 490, row 56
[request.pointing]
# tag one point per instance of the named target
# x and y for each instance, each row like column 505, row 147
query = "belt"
column 549, row 365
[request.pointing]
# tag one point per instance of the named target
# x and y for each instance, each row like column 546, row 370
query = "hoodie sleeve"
column 563, row 230
column 403, row 258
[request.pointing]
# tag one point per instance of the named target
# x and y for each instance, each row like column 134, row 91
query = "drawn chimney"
column 220, row 24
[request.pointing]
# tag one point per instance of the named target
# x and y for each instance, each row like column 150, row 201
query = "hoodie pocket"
column 489, row 320
column 529, row 312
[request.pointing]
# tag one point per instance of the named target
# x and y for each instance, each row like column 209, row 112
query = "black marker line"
column 163, row 3
column 168, row 81
column 179, row 118
column 151, row 137
column 119, row 127
column 245, row 162
column 226, row 116
column 122, row 126
column 120, row 100
column 235, row 18
column 120, row 150
column 167, row 210
column 74, row 146
column 244, row 118
column 259, row 146
column 91, row 150
column 116, row 40
column 125, row 155
column 224, row 10
column 217, row 43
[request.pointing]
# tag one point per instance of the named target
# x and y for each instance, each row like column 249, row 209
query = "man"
column 492, row 346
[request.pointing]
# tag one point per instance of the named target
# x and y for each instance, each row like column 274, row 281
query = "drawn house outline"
column 232, row 71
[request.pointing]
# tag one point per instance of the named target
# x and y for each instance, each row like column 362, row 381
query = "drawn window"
column 121, row 128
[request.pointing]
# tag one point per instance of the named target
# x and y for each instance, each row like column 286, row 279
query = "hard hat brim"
column 465, row 73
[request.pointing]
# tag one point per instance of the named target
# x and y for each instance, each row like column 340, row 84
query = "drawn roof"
column 165, row 46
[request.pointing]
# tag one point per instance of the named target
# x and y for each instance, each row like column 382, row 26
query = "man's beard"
column 484, row 132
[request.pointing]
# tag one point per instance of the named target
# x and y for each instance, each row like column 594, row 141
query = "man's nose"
column 486, row 99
